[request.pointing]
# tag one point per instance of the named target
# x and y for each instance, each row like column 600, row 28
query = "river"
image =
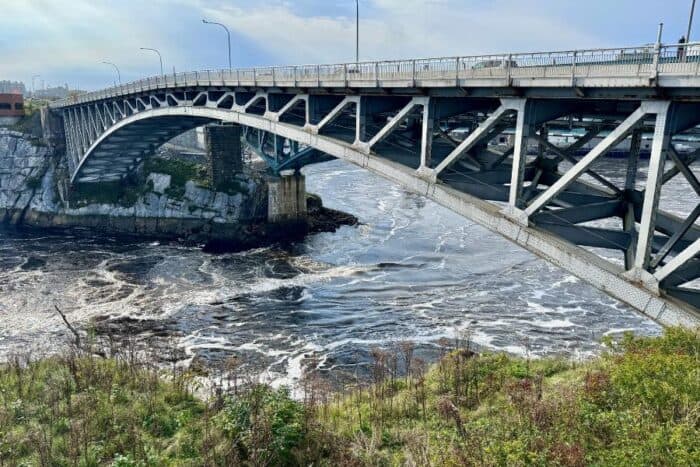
column 412, row 271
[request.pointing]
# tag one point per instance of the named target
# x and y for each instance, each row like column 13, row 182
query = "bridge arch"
column 170, row 121
column 400, row 119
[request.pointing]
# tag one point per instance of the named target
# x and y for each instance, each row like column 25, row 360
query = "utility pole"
column 690, row 21
column 119, row 75
column 228, row 35
column 357, row 32
column 160, row 57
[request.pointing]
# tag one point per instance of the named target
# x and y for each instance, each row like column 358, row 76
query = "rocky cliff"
column 170, row 201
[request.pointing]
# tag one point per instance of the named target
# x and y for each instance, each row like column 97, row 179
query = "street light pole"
column 357, row 31
column 228, row 34
column 690, row 21
column 119, row 75
column 160, row 57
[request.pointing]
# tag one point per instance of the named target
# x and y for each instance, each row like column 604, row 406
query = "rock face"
column 34, row 193
column 30, row 177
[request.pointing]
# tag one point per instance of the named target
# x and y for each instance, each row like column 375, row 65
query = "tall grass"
column 638, row 404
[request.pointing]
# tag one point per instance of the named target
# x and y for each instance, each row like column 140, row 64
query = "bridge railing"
column 645, row 63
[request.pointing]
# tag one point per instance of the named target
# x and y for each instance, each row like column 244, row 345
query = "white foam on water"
column 552, row 324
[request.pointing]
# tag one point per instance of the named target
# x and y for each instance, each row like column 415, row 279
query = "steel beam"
column 629, row 223
column 676, row 237
column 567, row 156
column 684, row 169
column 653, row 187
column 581, row 213
column 395, row 122
column 427, row 131
column 473, row 138
column 678, row 261
column 582, row 166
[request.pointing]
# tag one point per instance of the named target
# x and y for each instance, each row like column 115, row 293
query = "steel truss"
column 563, row 214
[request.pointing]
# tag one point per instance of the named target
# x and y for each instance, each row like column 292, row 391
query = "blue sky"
column 66, row 41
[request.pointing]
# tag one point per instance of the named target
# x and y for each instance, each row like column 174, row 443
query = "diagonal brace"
column 567, row 155
column 473, row 138
column 678, row 235
column 684, row 169
column 336, row 111
column 679, row 260
column 689, row 159
column 395, row 122
column 582, row 166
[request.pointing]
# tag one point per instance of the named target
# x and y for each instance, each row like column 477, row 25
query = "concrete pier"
column 286, row 202
column 224, row 151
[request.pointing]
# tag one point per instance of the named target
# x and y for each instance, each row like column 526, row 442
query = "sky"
column 66, row 41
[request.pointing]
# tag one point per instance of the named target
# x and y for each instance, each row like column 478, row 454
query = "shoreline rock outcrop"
column 170, row 201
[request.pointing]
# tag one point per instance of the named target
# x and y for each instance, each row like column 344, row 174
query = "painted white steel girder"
column 541, row 208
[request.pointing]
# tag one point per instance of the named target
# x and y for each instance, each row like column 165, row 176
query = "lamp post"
column 160, row 57
column 119, row 75
column 357, row 31
column 228, row 35
column 690, row 21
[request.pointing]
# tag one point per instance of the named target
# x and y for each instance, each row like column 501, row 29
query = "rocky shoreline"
column 168, row 201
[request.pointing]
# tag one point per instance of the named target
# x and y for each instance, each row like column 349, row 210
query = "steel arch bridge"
column 398, row 120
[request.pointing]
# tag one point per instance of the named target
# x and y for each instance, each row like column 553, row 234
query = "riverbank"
column 637, row 404
column 169, row 197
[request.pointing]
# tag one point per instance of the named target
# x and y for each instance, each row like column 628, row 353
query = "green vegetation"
column 30, row 125
column 116, row 193
column 639, row 404
column 180, row 172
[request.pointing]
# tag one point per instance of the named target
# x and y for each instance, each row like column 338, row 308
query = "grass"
column 638, row 404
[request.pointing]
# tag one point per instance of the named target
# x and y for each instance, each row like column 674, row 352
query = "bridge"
column 401, row 119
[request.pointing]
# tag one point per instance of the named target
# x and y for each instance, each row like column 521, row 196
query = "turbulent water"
column 412, row 271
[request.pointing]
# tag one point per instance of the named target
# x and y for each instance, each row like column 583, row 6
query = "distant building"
column 11, row 108
column 54, row 93
column 12, row 87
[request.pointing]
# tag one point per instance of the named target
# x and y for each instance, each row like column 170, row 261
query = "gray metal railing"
column 647, row 61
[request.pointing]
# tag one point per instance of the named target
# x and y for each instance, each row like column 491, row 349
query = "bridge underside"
column 613, row 223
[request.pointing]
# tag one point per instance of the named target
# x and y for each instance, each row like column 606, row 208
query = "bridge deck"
column 668, row 66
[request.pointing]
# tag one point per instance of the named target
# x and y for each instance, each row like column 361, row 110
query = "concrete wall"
column 225, row 154
column 286, row 201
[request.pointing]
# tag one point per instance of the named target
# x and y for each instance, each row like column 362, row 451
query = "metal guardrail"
column 628, row 62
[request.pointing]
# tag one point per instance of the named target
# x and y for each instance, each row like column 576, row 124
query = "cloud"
column 398, row 29
column 65, row 41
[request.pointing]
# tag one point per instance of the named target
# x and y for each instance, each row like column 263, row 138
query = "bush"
column 266, row 425
column 639, row 404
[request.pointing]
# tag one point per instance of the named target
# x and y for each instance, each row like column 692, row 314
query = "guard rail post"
column 413, row 73
column 509, row 79
column 458, row 61
column 655, row 66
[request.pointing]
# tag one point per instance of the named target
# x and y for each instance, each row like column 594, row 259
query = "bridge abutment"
column 225, row 154
column 286, row 202
column 52, row 128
